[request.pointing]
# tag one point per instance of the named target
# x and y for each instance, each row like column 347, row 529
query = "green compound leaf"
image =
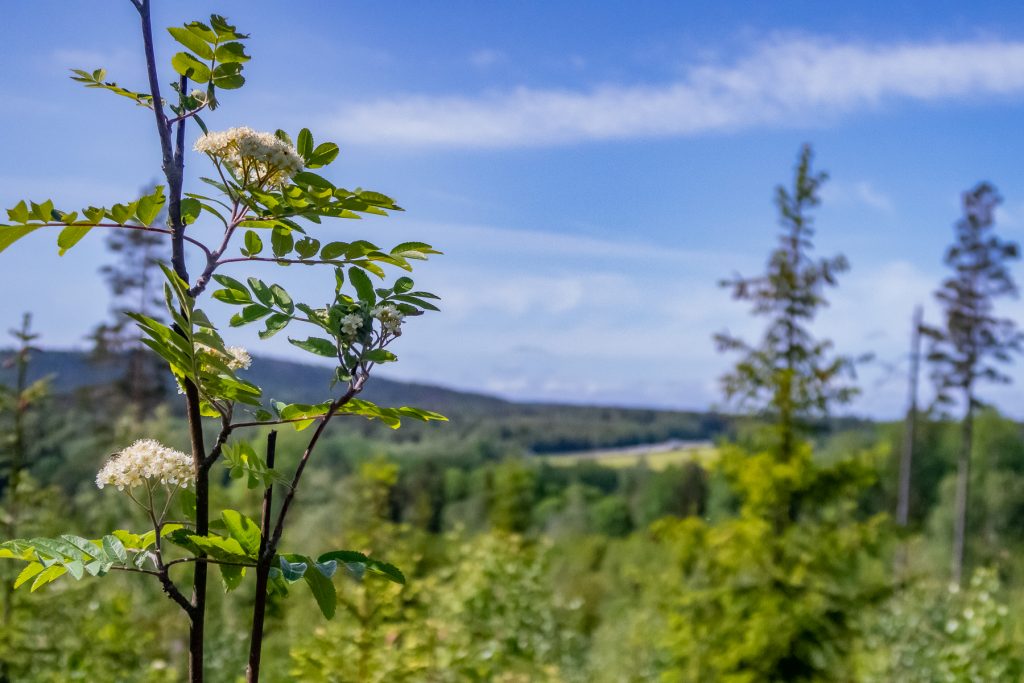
column 243, row 530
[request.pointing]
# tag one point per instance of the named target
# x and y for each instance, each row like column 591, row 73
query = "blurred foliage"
column 753, row 569
column 934, row 632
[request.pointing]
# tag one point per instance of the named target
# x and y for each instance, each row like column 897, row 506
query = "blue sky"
column 590, row 169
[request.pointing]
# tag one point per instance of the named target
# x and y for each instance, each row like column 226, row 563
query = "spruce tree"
column 973, row 340
column 789, row 377
column 134, row 280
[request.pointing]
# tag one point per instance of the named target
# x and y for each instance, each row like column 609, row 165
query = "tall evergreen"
column 790, row 377
column 135, row 282
column 973, row 341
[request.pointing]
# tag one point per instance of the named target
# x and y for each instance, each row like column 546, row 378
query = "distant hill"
column 487, row 421
column 542, row 428
column 280, row 379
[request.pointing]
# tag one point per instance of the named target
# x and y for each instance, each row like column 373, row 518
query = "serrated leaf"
column 224, row 30
column 249, row 314
column 76, row 568
column 190, row 209
column 322, row 588
column 129, row 539
column 218, row 547
column 380, row 356
column 405, row 248
column 363, row 286
column 304, row 144
column 11, row 234
column 231, row 576
column 253, row 243
column 317, row 345
column 227, row 76
column 193, row 41
column 115, row 549
column 232, row 52
column 243, row 530
column 352, row 557
column 51, row 573
column 30, row 571
column 188, row 65
column 262, row 291
column 282, row 299
column 86, row 546
column 70, row 236
column 292, row 571
column 312, row 180
column 324, row 154
column 230, row 282
column 307, row 247
column 19, row 213
column 148, row 208
column 281, row 242
column 232, row 296
column 275, row 324
column 334, row 250
column 300, row 410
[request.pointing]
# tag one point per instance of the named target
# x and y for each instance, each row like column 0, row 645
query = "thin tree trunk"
column 18, row 458
column 963, row 479
column 173, row 163
column 910, row 426
column 266, row 555
column 196, row 632
column 18, row 462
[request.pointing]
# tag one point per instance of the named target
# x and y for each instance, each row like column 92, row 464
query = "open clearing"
column 657, row 456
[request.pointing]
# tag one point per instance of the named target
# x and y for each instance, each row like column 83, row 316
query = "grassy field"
column 657, row 456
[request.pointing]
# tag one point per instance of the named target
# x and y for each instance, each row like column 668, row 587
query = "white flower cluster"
column 350, row 325
column 237, row 357
column 390, row 319
column 257, row 159
column 144, row 460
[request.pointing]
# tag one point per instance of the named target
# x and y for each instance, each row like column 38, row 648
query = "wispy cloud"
column 861, row 192
column 483, row 59
column 781, row 82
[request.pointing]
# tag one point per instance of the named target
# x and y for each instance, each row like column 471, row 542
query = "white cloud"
column 781, row 82
column 861, row 192
column 483, row 59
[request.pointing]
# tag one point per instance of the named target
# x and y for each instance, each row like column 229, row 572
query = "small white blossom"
column 257, row 159
column 390, row 318
column 239, row 358
column 236, row 358
column 350, row 324
column 146, row 460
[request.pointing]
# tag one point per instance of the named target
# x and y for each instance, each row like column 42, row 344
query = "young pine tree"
column 135, row 284
column 775, row 592
column 790, row 377
column 973, row 340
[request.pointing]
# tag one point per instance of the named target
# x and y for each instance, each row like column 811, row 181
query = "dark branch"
column 353, row 389
column 143, row 228
column 222, row 437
